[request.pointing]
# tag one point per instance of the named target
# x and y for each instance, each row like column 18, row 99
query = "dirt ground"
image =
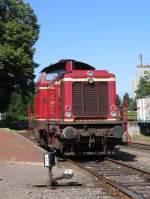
column 141, row 139
column 29, row 181
column 23, row 176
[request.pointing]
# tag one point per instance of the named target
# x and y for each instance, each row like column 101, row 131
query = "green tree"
column 118, row 100
column 18, row 107
column 143, row 88
column 126, row 97
column 132, row 104
column 18, row 33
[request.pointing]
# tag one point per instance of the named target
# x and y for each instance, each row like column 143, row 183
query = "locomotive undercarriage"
column 98, row 145
column 90, row 138
column 69, row 139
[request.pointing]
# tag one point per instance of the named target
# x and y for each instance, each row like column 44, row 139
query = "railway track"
column 138, row 146
column 120, row 180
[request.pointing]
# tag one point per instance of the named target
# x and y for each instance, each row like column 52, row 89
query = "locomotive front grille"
column 90, row 100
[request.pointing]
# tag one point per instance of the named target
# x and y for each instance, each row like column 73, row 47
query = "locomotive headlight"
column 90, row 73
column 68, row 114
column 113, row 114
column 90, row 80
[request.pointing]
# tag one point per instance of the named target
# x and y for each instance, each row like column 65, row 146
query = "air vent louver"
column 90, row 100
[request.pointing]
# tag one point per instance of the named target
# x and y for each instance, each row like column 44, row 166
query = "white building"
column 141, row 71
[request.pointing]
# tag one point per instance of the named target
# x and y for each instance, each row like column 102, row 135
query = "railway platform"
column 14, row 147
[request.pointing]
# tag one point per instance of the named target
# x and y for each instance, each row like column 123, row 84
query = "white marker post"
column 49, row 161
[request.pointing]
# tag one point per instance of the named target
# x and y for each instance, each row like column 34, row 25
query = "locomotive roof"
column 77, row 65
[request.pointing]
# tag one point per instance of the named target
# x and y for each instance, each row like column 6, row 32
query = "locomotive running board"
column 108, row 122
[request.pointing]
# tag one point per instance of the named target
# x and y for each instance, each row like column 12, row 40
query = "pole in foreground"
column 49, row 161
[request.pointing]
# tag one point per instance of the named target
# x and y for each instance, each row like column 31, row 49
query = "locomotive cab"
column 75, row 107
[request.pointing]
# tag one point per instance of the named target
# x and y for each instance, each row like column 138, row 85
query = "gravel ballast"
column 28, row 181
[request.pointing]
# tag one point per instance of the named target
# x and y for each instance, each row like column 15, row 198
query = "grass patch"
column 132, row 115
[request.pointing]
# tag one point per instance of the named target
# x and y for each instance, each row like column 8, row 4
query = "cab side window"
column 53, row 75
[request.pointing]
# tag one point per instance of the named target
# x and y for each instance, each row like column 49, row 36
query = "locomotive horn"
column 69, row 132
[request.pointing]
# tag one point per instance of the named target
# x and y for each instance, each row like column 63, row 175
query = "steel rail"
column 116, row 189
column 128, row 166
column 137, row 145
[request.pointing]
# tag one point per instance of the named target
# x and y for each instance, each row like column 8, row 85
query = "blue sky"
column 108, row 34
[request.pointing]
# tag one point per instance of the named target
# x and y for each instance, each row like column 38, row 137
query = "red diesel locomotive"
column 75, row 108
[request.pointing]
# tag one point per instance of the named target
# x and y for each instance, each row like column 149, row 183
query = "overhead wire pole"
column 141, row 60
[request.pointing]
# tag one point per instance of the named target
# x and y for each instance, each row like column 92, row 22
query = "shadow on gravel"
column 117, row 155
column 123, row 156
column 68, row 184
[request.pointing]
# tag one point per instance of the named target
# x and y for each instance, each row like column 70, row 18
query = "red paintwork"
column 125, row 120
column 47, row 98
